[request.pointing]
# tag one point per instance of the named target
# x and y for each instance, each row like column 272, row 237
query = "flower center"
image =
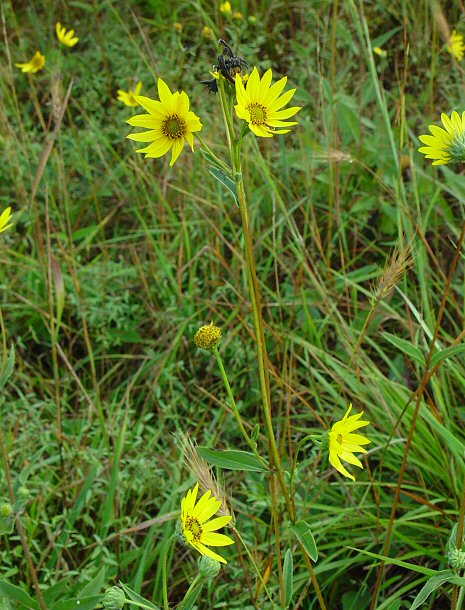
column 173, row 127
column 194, row 528
column 257, row 114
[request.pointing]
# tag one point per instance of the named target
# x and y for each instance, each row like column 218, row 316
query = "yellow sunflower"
column 343, row 443
column 66, row 38
column 5, row 218
column 260, row 104
column 446, row 145
column 456, row 47
column 170, row 123
column 33, row 65
column 127, row 97
column 195, row 526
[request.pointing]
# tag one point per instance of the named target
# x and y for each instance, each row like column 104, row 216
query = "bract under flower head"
column 196, row 527
column 34, row 65
column 455, row 46
column 343, row 443
column 260, row 104
column 127, row 97
column 446, row 145
column 66, row 38
column 170, row 123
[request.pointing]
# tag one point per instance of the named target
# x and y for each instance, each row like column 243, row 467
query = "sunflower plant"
column 253, row 105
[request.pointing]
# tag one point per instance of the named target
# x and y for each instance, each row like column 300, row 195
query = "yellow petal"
column 214, row 539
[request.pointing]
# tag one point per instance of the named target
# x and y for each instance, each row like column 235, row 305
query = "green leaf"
column 81, row 603
column 15, row 594
column 304, row 535
column 447, row 352
column 406, row 347
column 8, row 368
column 191, row 598
column 432, row 584
column 232, row 459
column 225, row 181
column 396, row 562
column 288, row 575
column 211, row 159
column 95, row 585
column 136, row 597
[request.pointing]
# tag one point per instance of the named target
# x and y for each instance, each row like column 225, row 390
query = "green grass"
column 148, row 254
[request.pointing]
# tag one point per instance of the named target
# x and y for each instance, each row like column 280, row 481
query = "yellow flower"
column 177, row 27
column 379, row 51
column 207, row 33
column 34, row 65
column 66, row 38
column 455, row 46
column 5, row 218
column 260, row 104
column 343, row 443
column 237, row 15
column 195, row 527
column 170, row 122
column 446, row 145
column 127, row 97
column 225, row 8
column 208, row 337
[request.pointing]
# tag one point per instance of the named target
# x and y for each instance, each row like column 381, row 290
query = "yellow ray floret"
column 66, row 38
column 343, row 443
column 128, row 97
column 446, row 145
column 261, row 104
column 5, row 220
column 198, row 531
column 455, row 46
column 34, row 65
column 170, row 123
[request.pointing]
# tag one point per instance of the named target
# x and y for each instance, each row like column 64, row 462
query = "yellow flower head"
column 34, row 65
column 207, row 33
column 225, row 8
column 207, row 337
column 170, row 123
column 343, row 443
column 260, row 104
column 446, row 145
column 238, row 15
column 195, row 527
column 66, row 38
column 5, row 218
column 127, row 97
column 455, row 46
column 379, row 51
column 177, row 27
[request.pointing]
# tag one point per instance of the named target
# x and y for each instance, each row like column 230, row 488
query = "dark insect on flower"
column 229, row 64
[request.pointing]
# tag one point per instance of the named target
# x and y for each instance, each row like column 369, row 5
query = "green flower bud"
column 6, row 509
column 456, row 559
column 208, row 567
column 23, row 492
column 179, row 531
column 114, row 598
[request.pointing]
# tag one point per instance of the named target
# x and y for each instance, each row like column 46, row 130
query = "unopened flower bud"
column 177, row 27
column 456, row 559
column 208, row 337
column 208, row 567
column 114, row 598
column 6, row 509
column 179, row 531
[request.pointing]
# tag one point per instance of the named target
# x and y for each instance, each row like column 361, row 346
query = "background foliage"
column 148, row 253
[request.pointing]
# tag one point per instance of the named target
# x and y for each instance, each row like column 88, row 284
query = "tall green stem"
column 164, row 574
column 247, row 438
column 262, row 357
